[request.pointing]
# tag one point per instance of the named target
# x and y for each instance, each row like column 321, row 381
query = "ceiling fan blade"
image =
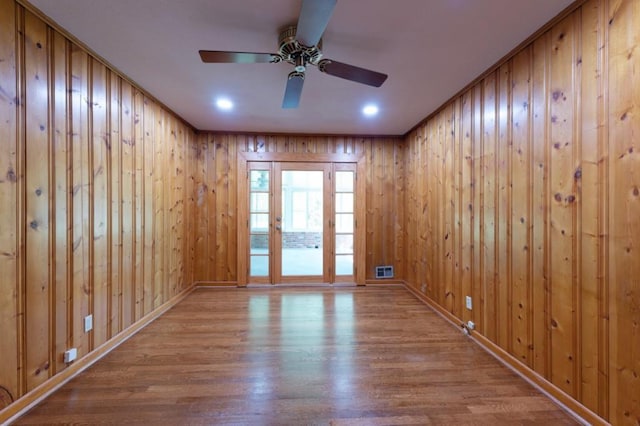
column 314, row 17
column 294, row 90
column 217, row 56
column 351, row 72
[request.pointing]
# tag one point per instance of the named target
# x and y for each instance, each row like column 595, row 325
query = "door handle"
column 278, row 227
column 278, row 219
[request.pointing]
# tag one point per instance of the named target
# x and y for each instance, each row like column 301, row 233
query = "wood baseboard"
column 573, row 407
column 216, row 284
column 32, row 398
column 384, row 282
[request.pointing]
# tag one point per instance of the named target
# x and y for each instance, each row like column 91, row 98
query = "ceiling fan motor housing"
column 295, row 53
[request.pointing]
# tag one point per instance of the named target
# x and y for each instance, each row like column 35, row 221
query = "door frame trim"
column 243, row 195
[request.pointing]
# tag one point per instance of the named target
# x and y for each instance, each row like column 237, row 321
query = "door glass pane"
column 344, row 244
column 344, row 264
column 259, row 222
column 259, row 180
column 344, row 181
column 344, row 222
column 260, row 244
column 302, row 222
column 344, row 203
column 259, row 266
column 259, row 202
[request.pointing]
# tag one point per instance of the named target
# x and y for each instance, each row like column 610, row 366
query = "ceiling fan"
column 300, row 45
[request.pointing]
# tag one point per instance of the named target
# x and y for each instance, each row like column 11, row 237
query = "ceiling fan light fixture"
column 300, row 64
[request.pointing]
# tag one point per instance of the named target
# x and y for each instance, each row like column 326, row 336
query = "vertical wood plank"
column 387, row 188
column 62, row 199
column 429, row 189
column 562, row 208
column 100, row 147
column 242, row 184
column 232, row 214
column 476, row 218
column 183, row 197
column 173, row 205
column 148, row 207
column 456, row 188
column 540, row 204
column 504, row 206
column 139, row 200
column 9, row 195
column 38, row 192
column 374, row 196
column 410, row 209
column 222, row 195
column 438, row 202
column 80, row 172
column 448, row 231
column 604, row 161
column 128, row 205
column 435, row 220
column 213, row 142
column 519, row 215
column 586, row 176
column 390, row 187
column 116, row 201
column 360, row 265
column 489, row 183
column 21, row 166
column 399, row 218
column 189, row 217
column 422, row 216
column 624, row 190
column 160, row 176
column 409, row 226
column 466, row 177
column 201, row 206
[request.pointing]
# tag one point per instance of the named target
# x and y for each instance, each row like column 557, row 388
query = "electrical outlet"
column 424, row 288
column 70, row 355
column 88, row 323
column 469, row 302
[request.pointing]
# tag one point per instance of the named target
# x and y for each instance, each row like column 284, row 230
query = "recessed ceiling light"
column 370, row 110
column 224, row 104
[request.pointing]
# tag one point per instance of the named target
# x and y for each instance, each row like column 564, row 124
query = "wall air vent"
column 384, row 271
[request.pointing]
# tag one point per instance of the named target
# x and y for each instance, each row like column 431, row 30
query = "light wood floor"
column 298, row 356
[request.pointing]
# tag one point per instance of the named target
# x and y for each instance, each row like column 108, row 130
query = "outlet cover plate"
column 70, row 355
column 469, row 302
column 88, row 323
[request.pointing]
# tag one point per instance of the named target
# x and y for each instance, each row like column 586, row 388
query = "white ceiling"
column 429, row 48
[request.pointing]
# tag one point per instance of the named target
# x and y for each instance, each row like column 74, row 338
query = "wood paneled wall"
column 523, row 192
column 95, row 201
column 216, row 203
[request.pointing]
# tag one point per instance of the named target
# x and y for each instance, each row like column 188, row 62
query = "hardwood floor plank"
column 372, row 356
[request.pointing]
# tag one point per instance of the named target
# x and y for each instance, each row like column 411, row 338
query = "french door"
column 301, row 222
